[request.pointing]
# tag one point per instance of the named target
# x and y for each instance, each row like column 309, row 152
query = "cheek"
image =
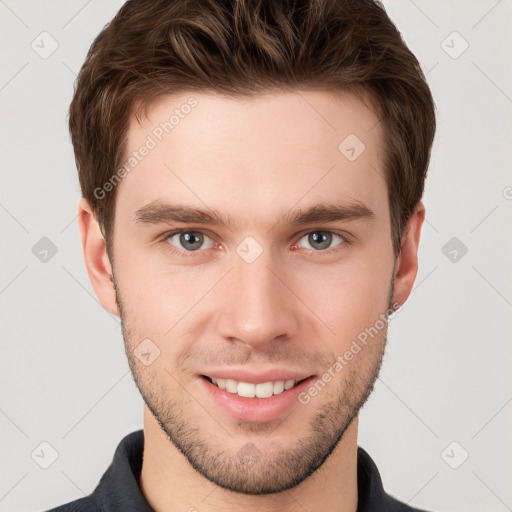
column 156, row 294
column 348, row 298
column 159, row 306
column 164, row 305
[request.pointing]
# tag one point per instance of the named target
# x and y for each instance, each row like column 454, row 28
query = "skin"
column 296, row 306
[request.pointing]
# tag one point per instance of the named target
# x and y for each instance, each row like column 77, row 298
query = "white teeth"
column 231, row 386
column 246, row 389
column 264, row 390
column 278, row 387
column 289, row 384
column 250, row 390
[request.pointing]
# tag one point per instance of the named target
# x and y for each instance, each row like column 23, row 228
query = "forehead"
column 254, row 155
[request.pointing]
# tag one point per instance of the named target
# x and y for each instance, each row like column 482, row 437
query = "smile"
column 261, row 401
column 250, row 390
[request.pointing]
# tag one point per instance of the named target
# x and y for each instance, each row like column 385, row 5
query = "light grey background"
column 446, row 376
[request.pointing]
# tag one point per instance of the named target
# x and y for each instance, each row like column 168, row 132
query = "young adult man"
column 252, row 175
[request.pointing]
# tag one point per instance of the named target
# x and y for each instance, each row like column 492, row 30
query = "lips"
column 255, row 397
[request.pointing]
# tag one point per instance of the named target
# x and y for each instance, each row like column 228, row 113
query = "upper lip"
column 255, row 376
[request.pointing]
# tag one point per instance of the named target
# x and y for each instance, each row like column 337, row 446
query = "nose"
column 256, row 305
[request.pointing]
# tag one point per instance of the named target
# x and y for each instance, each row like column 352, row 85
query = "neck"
column 170, row 484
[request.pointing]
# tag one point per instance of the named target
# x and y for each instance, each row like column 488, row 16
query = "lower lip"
column 256, row 410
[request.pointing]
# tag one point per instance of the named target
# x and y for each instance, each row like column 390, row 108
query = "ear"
column 96, row 257
column 406, row 266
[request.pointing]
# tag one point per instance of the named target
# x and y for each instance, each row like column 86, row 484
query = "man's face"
column 263, row 299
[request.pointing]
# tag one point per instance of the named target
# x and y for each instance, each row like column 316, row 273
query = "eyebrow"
column 158, row 212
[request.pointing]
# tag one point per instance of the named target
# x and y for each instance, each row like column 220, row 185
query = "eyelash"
column 187, row 254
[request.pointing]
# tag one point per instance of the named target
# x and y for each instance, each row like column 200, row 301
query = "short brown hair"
column 153, row 48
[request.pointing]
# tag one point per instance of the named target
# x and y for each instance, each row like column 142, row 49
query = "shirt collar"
column 119, row 488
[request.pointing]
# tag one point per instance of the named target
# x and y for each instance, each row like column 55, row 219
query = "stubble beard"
column 247, row 469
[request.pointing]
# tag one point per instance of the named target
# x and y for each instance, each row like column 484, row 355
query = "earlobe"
column 96, row 258
column 406, row 266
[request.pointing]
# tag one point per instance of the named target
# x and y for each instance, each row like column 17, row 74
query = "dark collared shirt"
column 119, row 491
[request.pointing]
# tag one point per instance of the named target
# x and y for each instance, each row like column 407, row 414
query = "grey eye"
column 320, row 240
column 189, row 240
